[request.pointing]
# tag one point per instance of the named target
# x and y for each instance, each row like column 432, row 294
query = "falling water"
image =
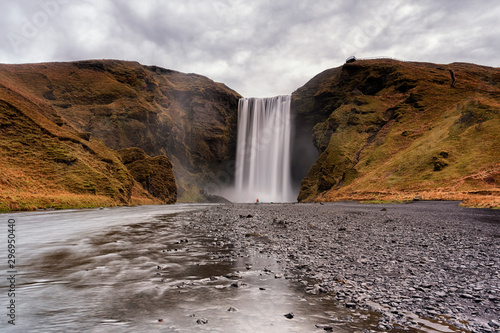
column 263, row 152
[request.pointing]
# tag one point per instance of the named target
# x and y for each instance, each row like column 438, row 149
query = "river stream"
column 140, row 269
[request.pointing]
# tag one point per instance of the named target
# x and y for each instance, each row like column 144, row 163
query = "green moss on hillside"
column 384, row 126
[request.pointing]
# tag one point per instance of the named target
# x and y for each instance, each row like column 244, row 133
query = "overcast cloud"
column 258, row 48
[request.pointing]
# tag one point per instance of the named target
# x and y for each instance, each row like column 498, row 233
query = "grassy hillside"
column 187, row 117
column 47, row 164
column 390, row 130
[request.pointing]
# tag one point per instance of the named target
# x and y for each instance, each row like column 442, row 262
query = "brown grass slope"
column 187, row 117
column 45, row 163
column 391, row 130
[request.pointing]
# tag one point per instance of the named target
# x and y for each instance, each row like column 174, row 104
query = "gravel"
column 432, row 260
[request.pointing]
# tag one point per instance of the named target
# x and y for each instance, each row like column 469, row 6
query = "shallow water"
column 141, row 269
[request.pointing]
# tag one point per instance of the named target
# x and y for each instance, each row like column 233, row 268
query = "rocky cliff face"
column 390, row 129
column 187, row 117
column 155, row 174
column 373, row 129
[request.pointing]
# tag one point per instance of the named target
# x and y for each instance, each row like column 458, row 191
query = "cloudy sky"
column 259, row 48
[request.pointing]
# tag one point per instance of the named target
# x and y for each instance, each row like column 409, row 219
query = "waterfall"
column 264, row 150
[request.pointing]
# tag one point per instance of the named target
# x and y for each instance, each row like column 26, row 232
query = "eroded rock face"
column 187, row 117
column 155, row 174
column 380, row 125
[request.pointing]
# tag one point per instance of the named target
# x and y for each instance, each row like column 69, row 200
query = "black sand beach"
column 432, row 260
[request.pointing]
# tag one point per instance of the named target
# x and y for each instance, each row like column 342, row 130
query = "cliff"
column 155, row 174
column 106, row 132
column 186, row 117
column 47, row 165
column 391, row 130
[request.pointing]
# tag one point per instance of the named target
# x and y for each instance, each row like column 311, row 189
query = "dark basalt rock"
column 202, row 321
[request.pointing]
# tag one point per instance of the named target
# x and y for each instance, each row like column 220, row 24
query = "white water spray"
column 264, row 150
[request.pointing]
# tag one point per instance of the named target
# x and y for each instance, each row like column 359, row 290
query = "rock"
column 432, row 312
column 350, row 305
column 494, row 323
column 155, row 174
column 453, row 78
column 85, row 135
column 466, row 296
column 350, row 60
column 325, row 327
column 289, row 315
column 236, row 284
column 233, row 276
column 231, row 309
column 362, row 266
column 202, row 321
column 493, row 298
column 212, row 198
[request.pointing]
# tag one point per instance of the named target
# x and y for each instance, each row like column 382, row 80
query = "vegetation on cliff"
column 155, row 174
column 106, row 132
column 45, row 165
column 58, row 122
column 186, row 117
column 391, row 130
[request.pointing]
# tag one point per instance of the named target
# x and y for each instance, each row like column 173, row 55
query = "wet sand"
column 423, row 260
